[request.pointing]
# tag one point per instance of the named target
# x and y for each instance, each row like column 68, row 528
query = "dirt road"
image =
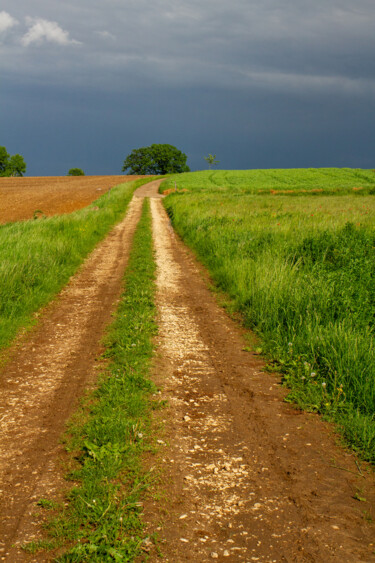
column 21, row 197
column 245, row 477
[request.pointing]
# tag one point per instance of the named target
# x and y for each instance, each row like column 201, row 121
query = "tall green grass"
column 302, row 272
column 37, row 257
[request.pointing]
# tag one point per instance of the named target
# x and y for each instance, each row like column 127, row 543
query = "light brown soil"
column 21, row 197
column 244, row 476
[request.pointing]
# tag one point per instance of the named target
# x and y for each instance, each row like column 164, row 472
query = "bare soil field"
column 53, row 195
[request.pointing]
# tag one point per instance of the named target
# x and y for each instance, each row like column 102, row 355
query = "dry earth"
column 21, row 197
column 244, row 476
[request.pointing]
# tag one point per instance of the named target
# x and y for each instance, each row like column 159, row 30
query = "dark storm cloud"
column 289, row 65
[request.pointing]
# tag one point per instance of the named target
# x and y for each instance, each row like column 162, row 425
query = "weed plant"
column 302, row 272
column 37, row 257
column 102, row 518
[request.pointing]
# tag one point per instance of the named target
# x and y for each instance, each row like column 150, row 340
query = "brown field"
column 21, row 197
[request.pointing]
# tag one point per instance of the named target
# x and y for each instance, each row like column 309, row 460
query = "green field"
column 295, row 251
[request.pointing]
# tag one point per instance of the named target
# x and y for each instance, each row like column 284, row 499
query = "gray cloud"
column 268, row 42
column 292, row 53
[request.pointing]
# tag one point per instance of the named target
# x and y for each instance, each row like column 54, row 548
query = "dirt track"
column 21, row 197
column 245, row 477
column 40, row 385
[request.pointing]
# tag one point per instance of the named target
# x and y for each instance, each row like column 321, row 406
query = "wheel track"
column 40, row 384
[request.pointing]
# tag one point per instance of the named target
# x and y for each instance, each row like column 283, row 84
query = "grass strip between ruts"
column 101, row 520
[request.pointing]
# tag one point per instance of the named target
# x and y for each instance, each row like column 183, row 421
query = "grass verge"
column 301, row 271
column 102, row 517
column 38, row 257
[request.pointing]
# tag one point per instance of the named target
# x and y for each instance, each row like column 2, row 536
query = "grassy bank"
column 301, row 270
column 102, row 521
column 38, row 257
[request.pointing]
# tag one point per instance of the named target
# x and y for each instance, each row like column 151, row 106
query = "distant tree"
column 11, row 165
column 156, row 159
column 211, row 159
column 76, row 172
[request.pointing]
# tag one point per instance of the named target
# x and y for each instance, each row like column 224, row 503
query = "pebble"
column 214, row 555
column 226, row 553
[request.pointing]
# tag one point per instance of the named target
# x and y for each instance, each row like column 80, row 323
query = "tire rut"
column 46, row 374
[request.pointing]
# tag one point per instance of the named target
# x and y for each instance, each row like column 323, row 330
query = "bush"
column 76, row 172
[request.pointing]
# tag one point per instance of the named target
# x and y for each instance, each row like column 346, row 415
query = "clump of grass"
column 301, row 270
column 38, row 257
column 102, row 519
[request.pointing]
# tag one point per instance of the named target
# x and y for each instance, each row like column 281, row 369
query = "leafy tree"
column 76, row 172
column 156, row 159
column 211, row 159
column 11, row 165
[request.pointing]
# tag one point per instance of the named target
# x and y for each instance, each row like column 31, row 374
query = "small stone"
column 214, row 555
column 184, row 540
column 187, row 418
column 335, row 528
column 226, row 553
column 183, row 516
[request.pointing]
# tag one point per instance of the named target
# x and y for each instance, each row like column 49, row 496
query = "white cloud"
column 6, row 21
column 44, row 30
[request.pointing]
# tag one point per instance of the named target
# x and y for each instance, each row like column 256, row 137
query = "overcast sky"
column 259, row 83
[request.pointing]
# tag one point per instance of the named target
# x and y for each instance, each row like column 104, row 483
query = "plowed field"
column 21, row 197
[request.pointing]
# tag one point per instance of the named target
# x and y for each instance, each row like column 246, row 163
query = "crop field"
column 24, row 198
column 295, row 251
